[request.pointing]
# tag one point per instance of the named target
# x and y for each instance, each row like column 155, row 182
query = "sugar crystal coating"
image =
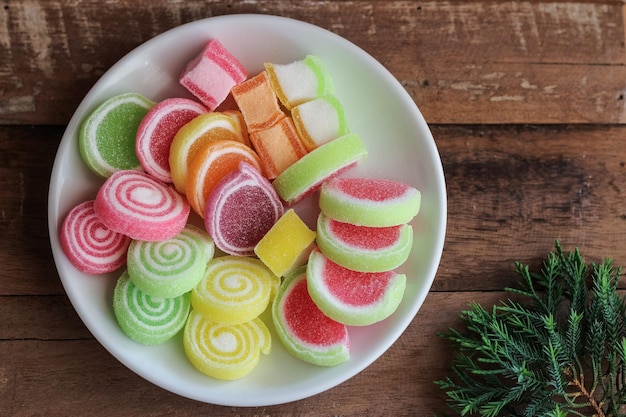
column 241, row 209
column 107, row 136
column 156, row 133
column 225, row 351
column 363, row 248
column 212, row 163
column 352, row 297
column 146, row 319
column 212, row 74
column 198, row 132
column 89, row 244
column 303, row 329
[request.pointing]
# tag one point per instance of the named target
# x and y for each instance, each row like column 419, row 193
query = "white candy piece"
column 319, row 121
column 299, row 81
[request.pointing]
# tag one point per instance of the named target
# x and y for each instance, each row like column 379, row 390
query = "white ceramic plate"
column 400, row 147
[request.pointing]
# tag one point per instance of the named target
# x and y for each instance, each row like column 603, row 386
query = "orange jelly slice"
column 212, row 162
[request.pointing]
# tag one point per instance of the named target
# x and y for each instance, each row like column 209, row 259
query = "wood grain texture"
column 50, row 359
column 514, row 190
column 461, row 61
column 26, row 155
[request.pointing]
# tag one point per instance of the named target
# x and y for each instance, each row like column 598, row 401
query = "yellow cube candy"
column 286, row 245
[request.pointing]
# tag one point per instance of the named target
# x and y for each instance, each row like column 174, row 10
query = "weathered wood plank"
column 514, row 93
column 22, row 319
column 53, row 52
column 514, row 190
column 36, row 367
column 26, row 158
column 57, row 358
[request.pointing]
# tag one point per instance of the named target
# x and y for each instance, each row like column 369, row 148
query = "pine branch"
column 561, row 351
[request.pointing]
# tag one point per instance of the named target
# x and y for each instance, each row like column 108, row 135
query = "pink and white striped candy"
column 141, row 207
column 89, row 245
column 156, row 133
column 241, row 209
column 212, row 74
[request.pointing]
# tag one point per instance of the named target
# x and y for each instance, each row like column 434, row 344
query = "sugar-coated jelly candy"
column 241, row 209
column 303, row 329
column 369, row 201
column 319, row 121
column 225, row 351
column 257, row 102
column 171, row 267
column 89, row 244
column 191, row 137
column 364, row 248
column 287, row 245
column 107, row 136
column 212, row 163
column 157, row 130
column 351, row 297
column 307, row 175
column 278, row 147
column 146, row 319
column 212, row 74
column 300, row 81
column 234, row 289
column 141, row 207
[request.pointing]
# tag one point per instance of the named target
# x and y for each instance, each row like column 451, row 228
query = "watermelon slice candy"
column 364, row 248
column 351, row 297
column 369, row 201
column 303, row 329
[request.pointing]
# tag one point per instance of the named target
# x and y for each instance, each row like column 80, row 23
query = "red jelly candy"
column 241, row 209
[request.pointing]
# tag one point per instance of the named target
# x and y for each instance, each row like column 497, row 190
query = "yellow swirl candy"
column 234, row 289
column 225, row 351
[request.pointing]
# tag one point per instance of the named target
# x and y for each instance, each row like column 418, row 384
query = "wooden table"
column 526, row 104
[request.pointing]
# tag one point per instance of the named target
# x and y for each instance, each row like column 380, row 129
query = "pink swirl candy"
column 89, row 245
column 141, row 207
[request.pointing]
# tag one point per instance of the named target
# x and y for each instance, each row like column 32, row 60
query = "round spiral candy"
column 170, row 267
column 136, row 204
column 89, row 245
column 234, row 289
column 223, row 351
column 145, row 319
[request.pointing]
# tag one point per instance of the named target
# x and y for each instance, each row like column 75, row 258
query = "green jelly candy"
column 107, row 136
column 145, row 319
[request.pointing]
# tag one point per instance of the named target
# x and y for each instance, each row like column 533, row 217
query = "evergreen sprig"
column 560, row 350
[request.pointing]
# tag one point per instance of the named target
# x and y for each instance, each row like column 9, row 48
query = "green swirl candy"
column 171, row 267
column 145, row 319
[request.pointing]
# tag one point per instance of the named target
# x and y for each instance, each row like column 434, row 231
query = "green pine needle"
column 559, row 352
